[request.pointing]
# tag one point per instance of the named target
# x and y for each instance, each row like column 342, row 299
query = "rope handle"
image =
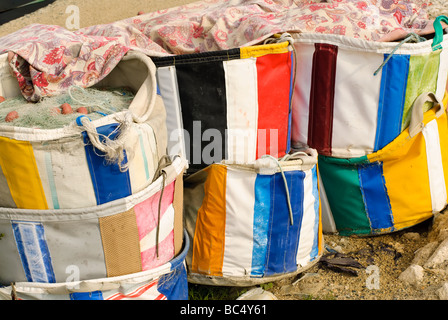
column 113, row 149
column 416, row 125
column 411, row 37
column 438, row 38
column 288, row 198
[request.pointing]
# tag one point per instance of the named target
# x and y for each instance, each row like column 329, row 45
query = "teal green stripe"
column 341, row 182
column 49, row 167
column 145, row 160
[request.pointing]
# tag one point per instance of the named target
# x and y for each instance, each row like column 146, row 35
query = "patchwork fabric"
column 343, row 108
column 232, row 104
column 124, row 236
column 396, row 187
column 240, row 223
column 65, row 168
column 166, row 282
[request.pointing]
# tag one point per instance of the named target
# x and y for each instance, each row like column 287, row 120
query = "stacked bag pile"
column 93, row 210
column 252, row 206
column 227, row 168
column 375, row 113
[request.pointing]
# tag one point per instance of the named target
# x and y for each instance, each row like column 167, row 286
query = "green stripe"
column 49, row 167
column 423, row 72
column 341, row 183
column 145, row 160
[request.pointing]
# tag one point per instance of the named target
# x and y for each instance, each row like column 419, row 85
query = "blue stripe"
column 392, row 95
column 33, row 251
column 375, row 196
column 95, row 295
column 315, row 251
column 108, row 181
column 262, row 212
column 284, row 237
column 174, row 285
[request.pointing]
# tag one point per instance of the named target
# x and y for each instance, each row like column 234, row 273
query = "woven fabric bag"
column 228, row 105
column 128, row 235
column 253, row 223
column 353, row 97
column 88, row 162
column 166, row 282
column 396, row 187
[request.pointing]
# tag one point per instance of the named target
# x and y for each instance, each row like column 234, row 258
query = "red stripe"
column 136, row 293
column 274, row 85
column 322, row 98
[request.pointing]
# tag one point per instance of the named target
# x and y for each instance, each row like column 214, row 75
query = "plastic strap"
column 436, row 43
column 417, row 124
column 78, row 120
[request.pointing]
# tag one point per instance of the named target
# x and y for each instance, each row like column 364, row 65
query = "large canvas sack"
column 166, row 282
column 124, row 236
column 399, row 186
column 347, row 103
column 253, row 223
column 231, row 104
column 85, row 163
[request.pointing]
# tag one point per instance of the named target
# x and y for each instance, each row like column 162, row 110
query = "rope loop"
column 288, row 198
column 411, row 37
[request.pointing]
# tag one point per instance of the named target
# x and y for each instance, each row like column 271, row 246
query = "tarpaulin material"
column 396, row 187
column 128, row 235
column 166, row 282
column 251, row 223
column 70, row 167
column 343, row 108
column 232, row 104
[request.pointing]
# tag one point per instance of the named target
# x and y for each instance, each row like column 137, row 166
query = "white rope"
column 113, row 149
column 288, row 199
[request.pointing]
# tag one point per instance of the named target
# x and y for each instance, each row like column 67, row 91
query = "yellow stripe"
column 261, row 50
column 209, row 235
column 445, row 99
column 406, row 174
column 20, row 169
column 442, row 124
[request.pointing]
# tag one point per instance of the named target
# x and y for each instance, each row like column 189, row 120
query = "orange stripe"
column 208, row 243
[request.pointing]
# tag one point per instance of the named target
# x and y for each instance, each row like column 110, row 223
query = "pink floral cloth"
column 49, row 59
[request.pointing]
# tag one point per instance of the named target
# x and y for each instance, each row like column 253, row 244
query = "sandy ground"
column 91, row 12
column 383, row 258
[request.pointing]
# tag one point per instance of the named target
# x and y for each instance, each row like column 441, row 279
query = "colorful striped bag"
column 399, row 186
column 128, row 235
column 86, row 163
column 253, row 223
column 231, row 104
column 166, row 282
column 352, row 96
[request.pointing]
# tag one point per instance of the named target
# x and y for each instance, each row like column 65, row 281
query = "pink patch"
column 166, row 253
column 146, row 211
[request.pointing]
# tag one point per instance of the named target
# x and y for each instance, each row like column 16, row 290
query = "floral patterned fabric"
column 48, row 59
